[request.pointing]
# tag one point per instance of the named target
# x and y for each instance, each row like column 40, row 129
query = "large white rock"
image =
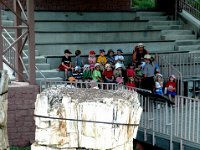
column 3, row 110
column 78, row 109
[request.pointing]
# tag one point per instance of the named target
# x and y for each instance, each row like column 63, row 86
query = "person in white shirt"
column 119, row 58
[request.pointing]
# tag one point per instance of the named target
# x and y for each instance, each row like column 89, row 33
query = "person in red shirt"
column 170, row 87
column 131, row 83
column 108, row 74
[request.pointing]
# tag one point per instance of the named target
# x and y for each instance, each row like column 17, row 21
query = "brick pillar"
column 21, row 103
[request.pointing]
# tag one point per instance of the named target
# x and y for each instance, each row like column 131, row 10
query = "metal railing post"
column 31, row 42
column 1, row 44
column 18, row 46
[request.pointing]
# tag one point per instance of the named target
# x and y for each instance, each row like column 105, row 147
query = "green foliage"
column 143, row 3
column 18, row 148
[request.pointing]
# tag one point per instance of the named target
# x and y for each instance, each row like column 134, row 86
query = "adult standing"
column 148, row 72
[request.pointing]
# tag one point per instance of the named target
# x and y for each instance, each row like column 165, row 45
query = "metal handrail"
column 168, row 69
column 13, row 48
column 5, row 31
column 191, row 6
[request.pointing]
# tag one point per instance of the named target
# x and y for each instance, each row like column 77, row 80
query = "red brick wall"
column 21, row 126
column 80, row 5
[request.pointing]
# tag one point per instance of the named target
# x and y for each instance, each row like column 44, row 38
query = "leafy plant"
column 143, row 3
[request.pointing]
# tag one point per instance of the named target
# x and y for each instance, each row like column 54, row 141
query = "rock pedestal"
column 86, row 118
column 3, row 110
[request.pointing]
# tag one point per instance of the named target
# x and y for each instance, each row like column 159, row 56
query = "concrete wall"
column 21, row 103
column 80, row 5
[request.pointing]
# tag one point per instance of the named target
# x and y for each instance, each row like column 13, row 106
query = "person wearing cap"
column 119, row 58
column 158, row 84
column 148, row 74
column 138, row 53
column 66, row 63
column 102, row 59
column 108, row 74
column 96, row 75
column 87, row 75
column 118, row 72
column 77, row 74
column 111, row 58
column 170, row 87
column 92, row 59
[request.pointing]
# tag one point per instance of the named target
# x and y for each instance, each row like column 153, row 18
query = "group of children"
column 110, row 68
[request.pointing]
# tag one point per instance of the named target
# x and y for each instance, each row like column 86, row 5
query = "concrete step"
column 178, row 37
column 12, row 34
column 7, row 22
column 149, row 13
column 57, row 49
column 91, row 26
column 36, row 52
column 84, row 16
column 158, row 23
column 176, row 32
column 187, row 42
column 50, row 73
column 38, row 80
column 165, row 27
column 42, row 66
column 154, row 18
column 4, row 17
column 38, row 59
column 188, row 47
column 87, row 37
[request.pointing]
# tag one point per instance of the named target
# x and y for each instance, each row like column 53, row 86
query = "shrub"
column 143, row 3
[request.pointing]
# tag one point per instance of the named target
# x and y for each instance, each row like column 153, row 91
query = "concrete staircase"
column 96, row 30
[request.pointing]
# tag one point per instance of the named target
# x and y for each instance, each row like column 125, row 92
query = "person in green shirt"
column 87, row 75
column 96, row 75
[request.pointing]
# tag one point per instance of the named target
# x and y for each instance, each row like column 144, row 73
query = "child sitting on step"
column 66, row 63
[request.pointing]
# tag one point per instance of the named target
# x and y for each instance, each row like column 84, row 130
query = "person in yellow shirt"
column 102, row 59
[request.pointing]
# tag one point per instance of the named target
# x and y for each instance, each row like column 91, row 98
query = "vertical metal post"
column 18, row 63
column 1, row 44
column 31, row 41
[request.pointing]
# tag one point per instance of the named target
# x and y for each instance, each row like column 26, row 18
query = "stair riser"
column 188, row 42
column 57, row 50
column 97, row 37
column 176, row 32
column 42, row 66
column 154, row 18
column 90, row 26
column 38, row 80
column 36, row 52
column 166, row 27
column 51, row 74
column 150, row 13
column 158, row 23
column 188, row 48
column 37, row 60
column 84, row 16
column 178, row 37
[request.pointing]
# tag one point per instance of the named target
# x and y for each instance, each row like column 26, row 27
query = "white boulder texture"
column 86, row 118
column 3, row 110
